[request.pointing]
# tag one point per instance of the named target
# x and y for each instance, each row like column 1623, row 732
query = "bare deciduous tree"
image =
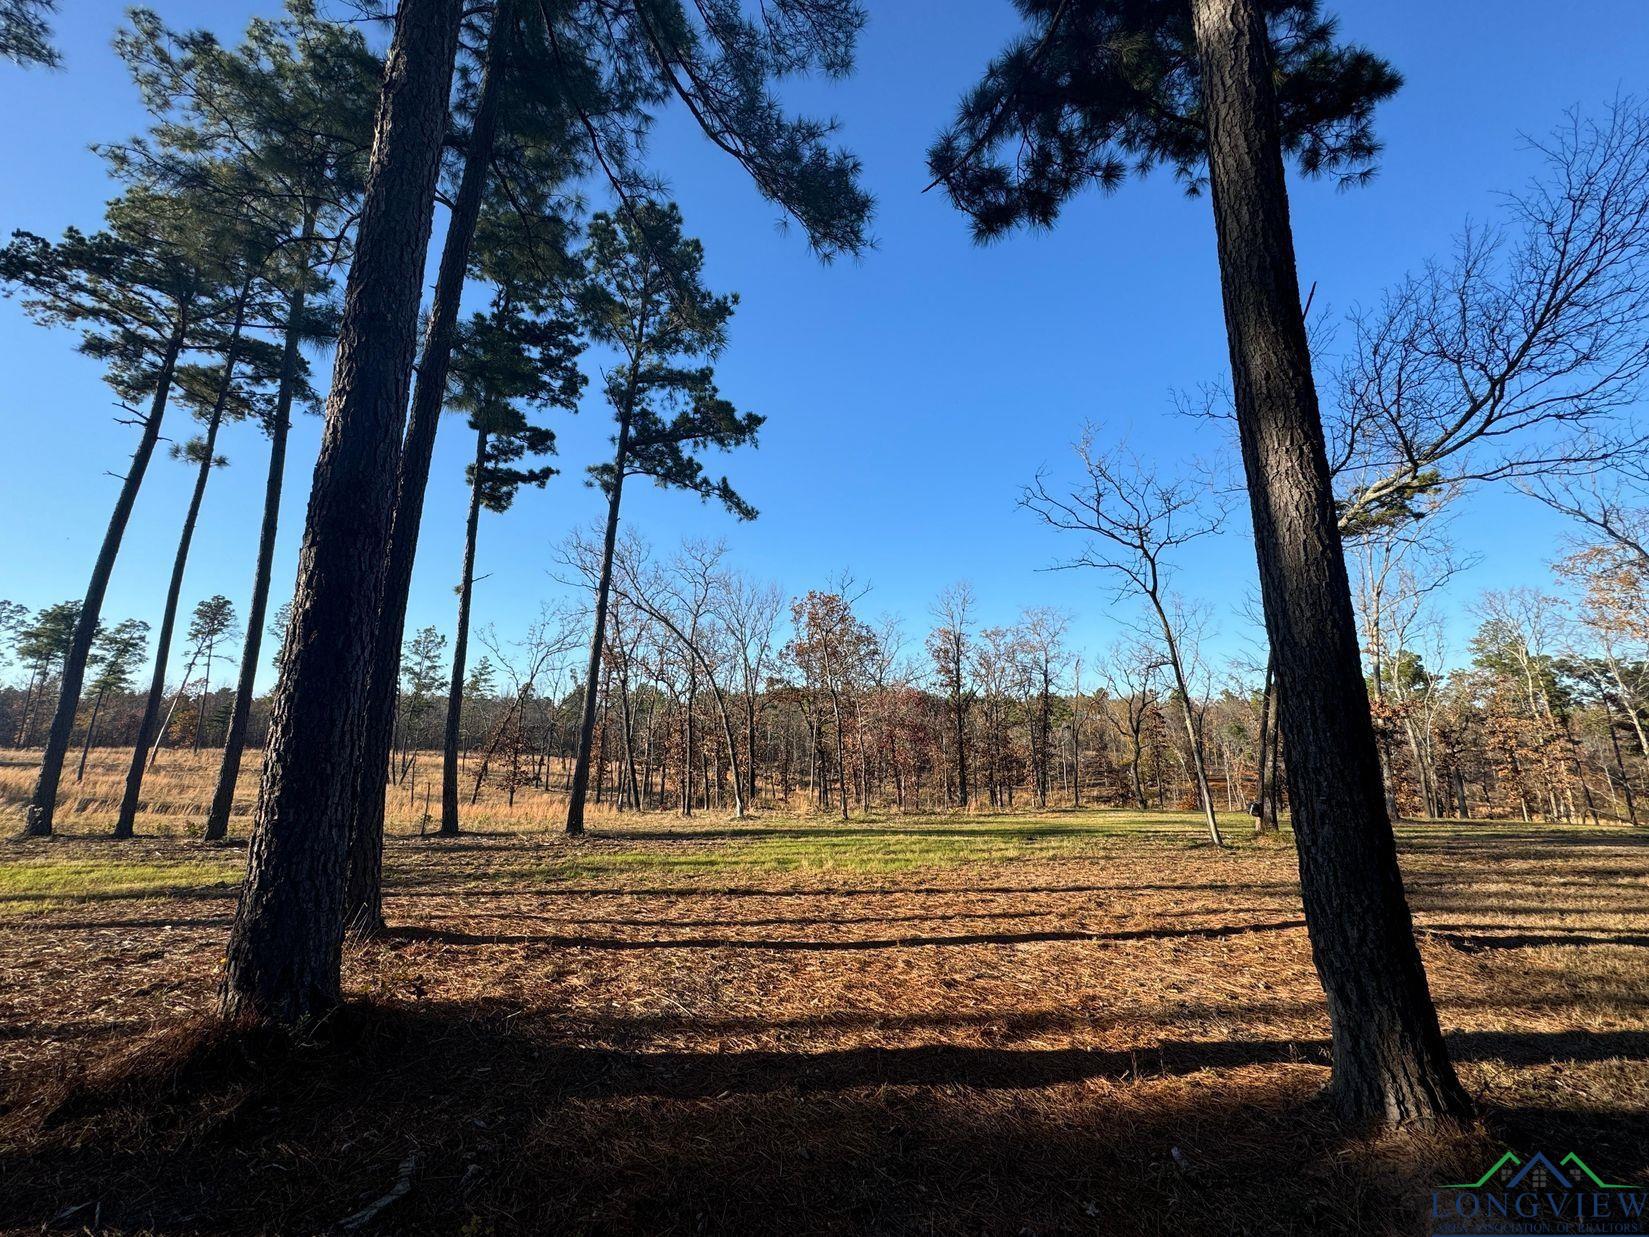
column 1135, row 521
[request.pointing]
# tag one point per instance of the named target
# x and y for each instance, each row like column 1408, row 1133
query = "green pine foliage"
column 1098, row 90
column 645, row 296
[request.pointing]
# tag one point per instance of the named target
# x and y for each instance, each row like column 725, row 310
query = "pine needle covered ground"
column 1077, row 1022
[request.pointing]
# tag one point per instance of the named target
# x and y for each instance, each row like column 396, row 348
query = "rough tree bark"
column 364, row 892
column 1390, row 1064
column 44, row 801
column 286, row 944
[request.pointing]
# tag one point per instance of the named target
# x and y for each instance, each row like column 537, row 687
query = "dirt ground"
column 1084, row 1022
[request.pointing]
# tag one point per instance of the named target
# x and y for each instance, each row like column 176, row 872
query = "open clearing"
column 1078, row 1022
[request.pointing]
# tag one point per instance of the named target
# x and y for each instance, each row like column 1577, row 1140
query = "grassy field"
column 1076, row 1022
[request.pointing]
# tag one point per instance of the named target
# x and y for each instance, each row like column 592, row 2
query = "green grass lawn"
column 35, row 876
column 51, row 881
column 729, row 849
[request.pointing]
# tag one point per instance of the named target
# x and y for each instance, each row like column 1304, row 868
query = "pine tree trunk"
column 223, row 799
column 460, row 651
column 586, row 722
column 1260, row 770
column 126, row 821
column 364, row 893
column 285, row 947
column 28, row 705
column 205, row 694
column 44, row 800
column 177, row 698
column 1390, row 1064
column 97, row 707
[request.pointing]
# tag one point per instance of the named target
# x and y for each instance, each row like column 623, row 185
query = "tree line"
column 284, row 192
column 714, row 693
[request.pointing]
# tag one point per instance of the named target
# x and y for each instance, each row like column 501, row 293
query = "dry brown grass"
column 178, row 791
column 1080, row 1023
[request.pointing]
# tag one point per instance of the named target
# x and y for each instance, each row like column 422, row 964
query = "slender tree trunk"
column 1614, row 743
column 1137, row 773
column 286, row 944
column 750, row 741
column 126, row 821
column 1274, row 797
column 171, row 712
column 364, row 889
column 627, row 716
column 1193, row 735
column 1390, row 1063
column 205, row 692
column 687, row 742
column 1264, row 747
column 737, row 774
column 43, row 803
column 28, row 706
column 97, row 707
column 604, row 584
column 460, row 649
column 1629, row 706
column 841, row 756
column 223, row 799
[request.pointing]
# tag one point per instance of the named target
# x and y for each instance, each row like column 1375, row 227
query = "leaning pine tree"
column 556, row 90
column 482, row 74
column 226, row 391
column 276, row 128
column 645, row 297
column 286, row 945
column 1222, row 90
column 135, row 291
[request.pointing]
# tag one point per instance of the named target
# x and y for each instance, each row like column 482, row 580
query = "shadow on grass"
column 411, row 886
column 447, row 936
column 1471, row 940
column 496, row 1120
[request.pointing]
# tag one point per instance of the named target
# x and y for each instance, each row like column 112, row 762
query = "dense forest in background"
column 815, row 702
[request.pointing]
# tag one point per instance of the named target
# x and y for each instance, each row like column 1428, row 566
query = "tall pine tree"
column 644, row 296
column 513, row 358
column 280, row 127
column 1221, row 91
column 136, row 291
column 285, row 947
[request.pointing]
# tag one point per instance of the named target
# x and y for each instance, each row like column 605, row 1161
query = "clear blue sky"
column 909, row 394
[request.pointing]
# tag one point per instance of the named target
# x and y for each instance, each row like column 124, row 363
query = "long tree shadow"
column 425, row 886
column 448, row 936
column 499, row 1120
column 1473, row 940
